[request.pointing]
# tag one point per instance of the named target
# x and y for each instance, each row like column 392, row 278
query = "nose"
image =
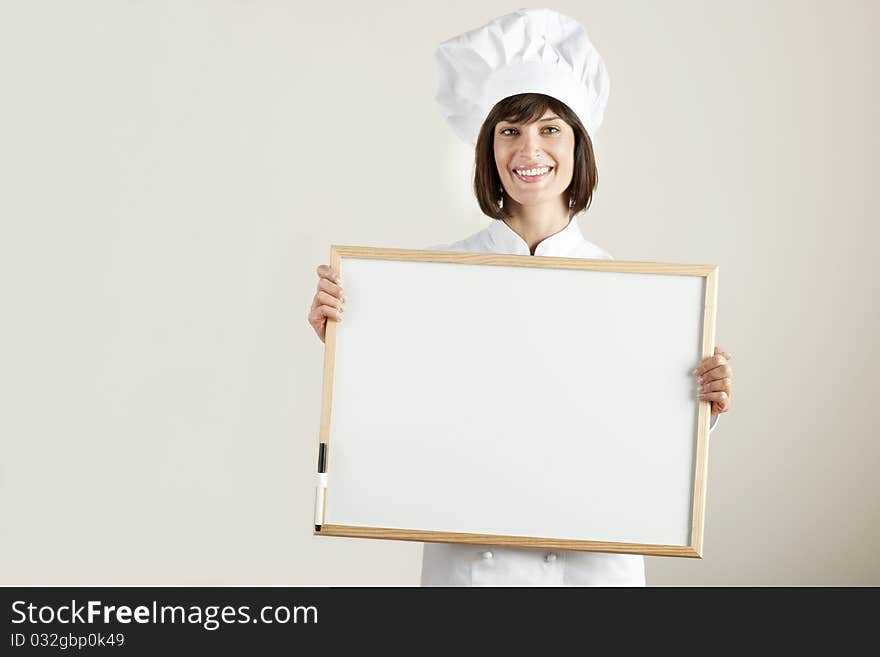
column 529, row 144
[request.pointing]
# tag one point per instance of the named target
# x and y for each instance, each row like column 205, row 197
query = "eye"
column 549, row 127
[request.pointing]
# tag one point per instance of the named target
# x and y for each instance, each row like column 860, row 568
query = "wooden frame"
column 692, row 548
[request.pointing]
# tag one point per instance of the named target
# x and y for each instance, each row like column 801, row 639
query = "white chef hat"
column 527, row 51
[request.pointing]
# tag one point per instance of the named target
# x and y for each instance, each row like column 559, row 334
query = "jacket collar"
column 505, row 240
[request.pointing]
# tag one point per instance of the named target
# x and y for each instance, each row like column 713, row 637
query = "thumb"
column 718, row 350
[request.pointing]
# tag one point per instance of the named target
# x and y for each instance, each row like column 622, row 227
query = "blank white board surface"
column 549, row 405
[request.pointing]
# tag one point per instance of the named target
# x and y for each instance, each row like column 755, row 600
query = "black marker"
column 321, row 486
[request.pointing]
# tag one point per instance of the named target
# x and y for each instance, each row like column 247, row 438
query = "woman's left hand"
column 714, row 376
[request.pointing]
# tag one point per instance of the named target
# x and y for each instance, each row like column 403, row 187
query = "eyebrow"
column 549, row 118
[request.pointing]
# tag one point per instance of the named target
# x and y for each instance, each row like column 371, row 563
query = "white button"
column 487, row 554
column 550, row 557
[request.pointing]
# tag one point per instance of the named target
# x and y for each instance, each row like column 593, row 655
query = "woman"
column 543, row 91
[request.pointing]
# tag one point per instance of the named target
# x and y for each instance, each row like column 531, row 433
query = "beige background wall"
column 172, row 173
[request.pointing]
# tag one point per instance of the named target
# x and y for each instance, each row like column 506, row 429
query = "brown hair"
column 529, row 107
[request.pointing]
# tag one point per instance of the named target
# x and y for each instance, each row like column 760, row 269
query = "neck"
column 535, row 223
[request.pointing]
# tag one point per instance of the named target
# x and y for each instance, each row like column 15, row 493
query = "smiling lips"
column 532, row 175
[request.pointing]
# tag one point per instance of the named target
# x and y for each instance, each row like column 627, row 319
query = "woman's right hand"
column 329, row 301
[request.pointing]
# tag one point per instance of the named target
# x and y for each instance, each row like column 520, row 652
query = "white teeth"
column 533, row 172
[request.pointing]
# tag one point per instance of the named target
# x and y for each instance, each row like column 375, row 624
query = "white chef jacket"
column 456, row 564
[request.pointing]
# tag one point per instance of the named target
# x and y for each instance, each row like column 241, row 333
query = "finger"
column 326, row 271
column 709, row 363
column 327, row 299
column 330, row 288
column 716, row 385
column 322, row 313
column 722, row 406
column 717, row 397
column 333, row 313
column 720, row 372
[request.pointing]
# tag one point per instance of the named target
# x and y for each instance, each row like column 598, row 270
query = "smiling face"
column 535, row 160
column 533, row 129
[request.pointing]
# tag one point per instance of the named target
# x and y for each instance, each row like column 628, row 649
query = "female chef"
column 528, row 90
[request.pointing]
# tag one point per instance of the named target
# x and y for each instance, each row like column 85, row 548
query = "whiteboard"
column 517, row 400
